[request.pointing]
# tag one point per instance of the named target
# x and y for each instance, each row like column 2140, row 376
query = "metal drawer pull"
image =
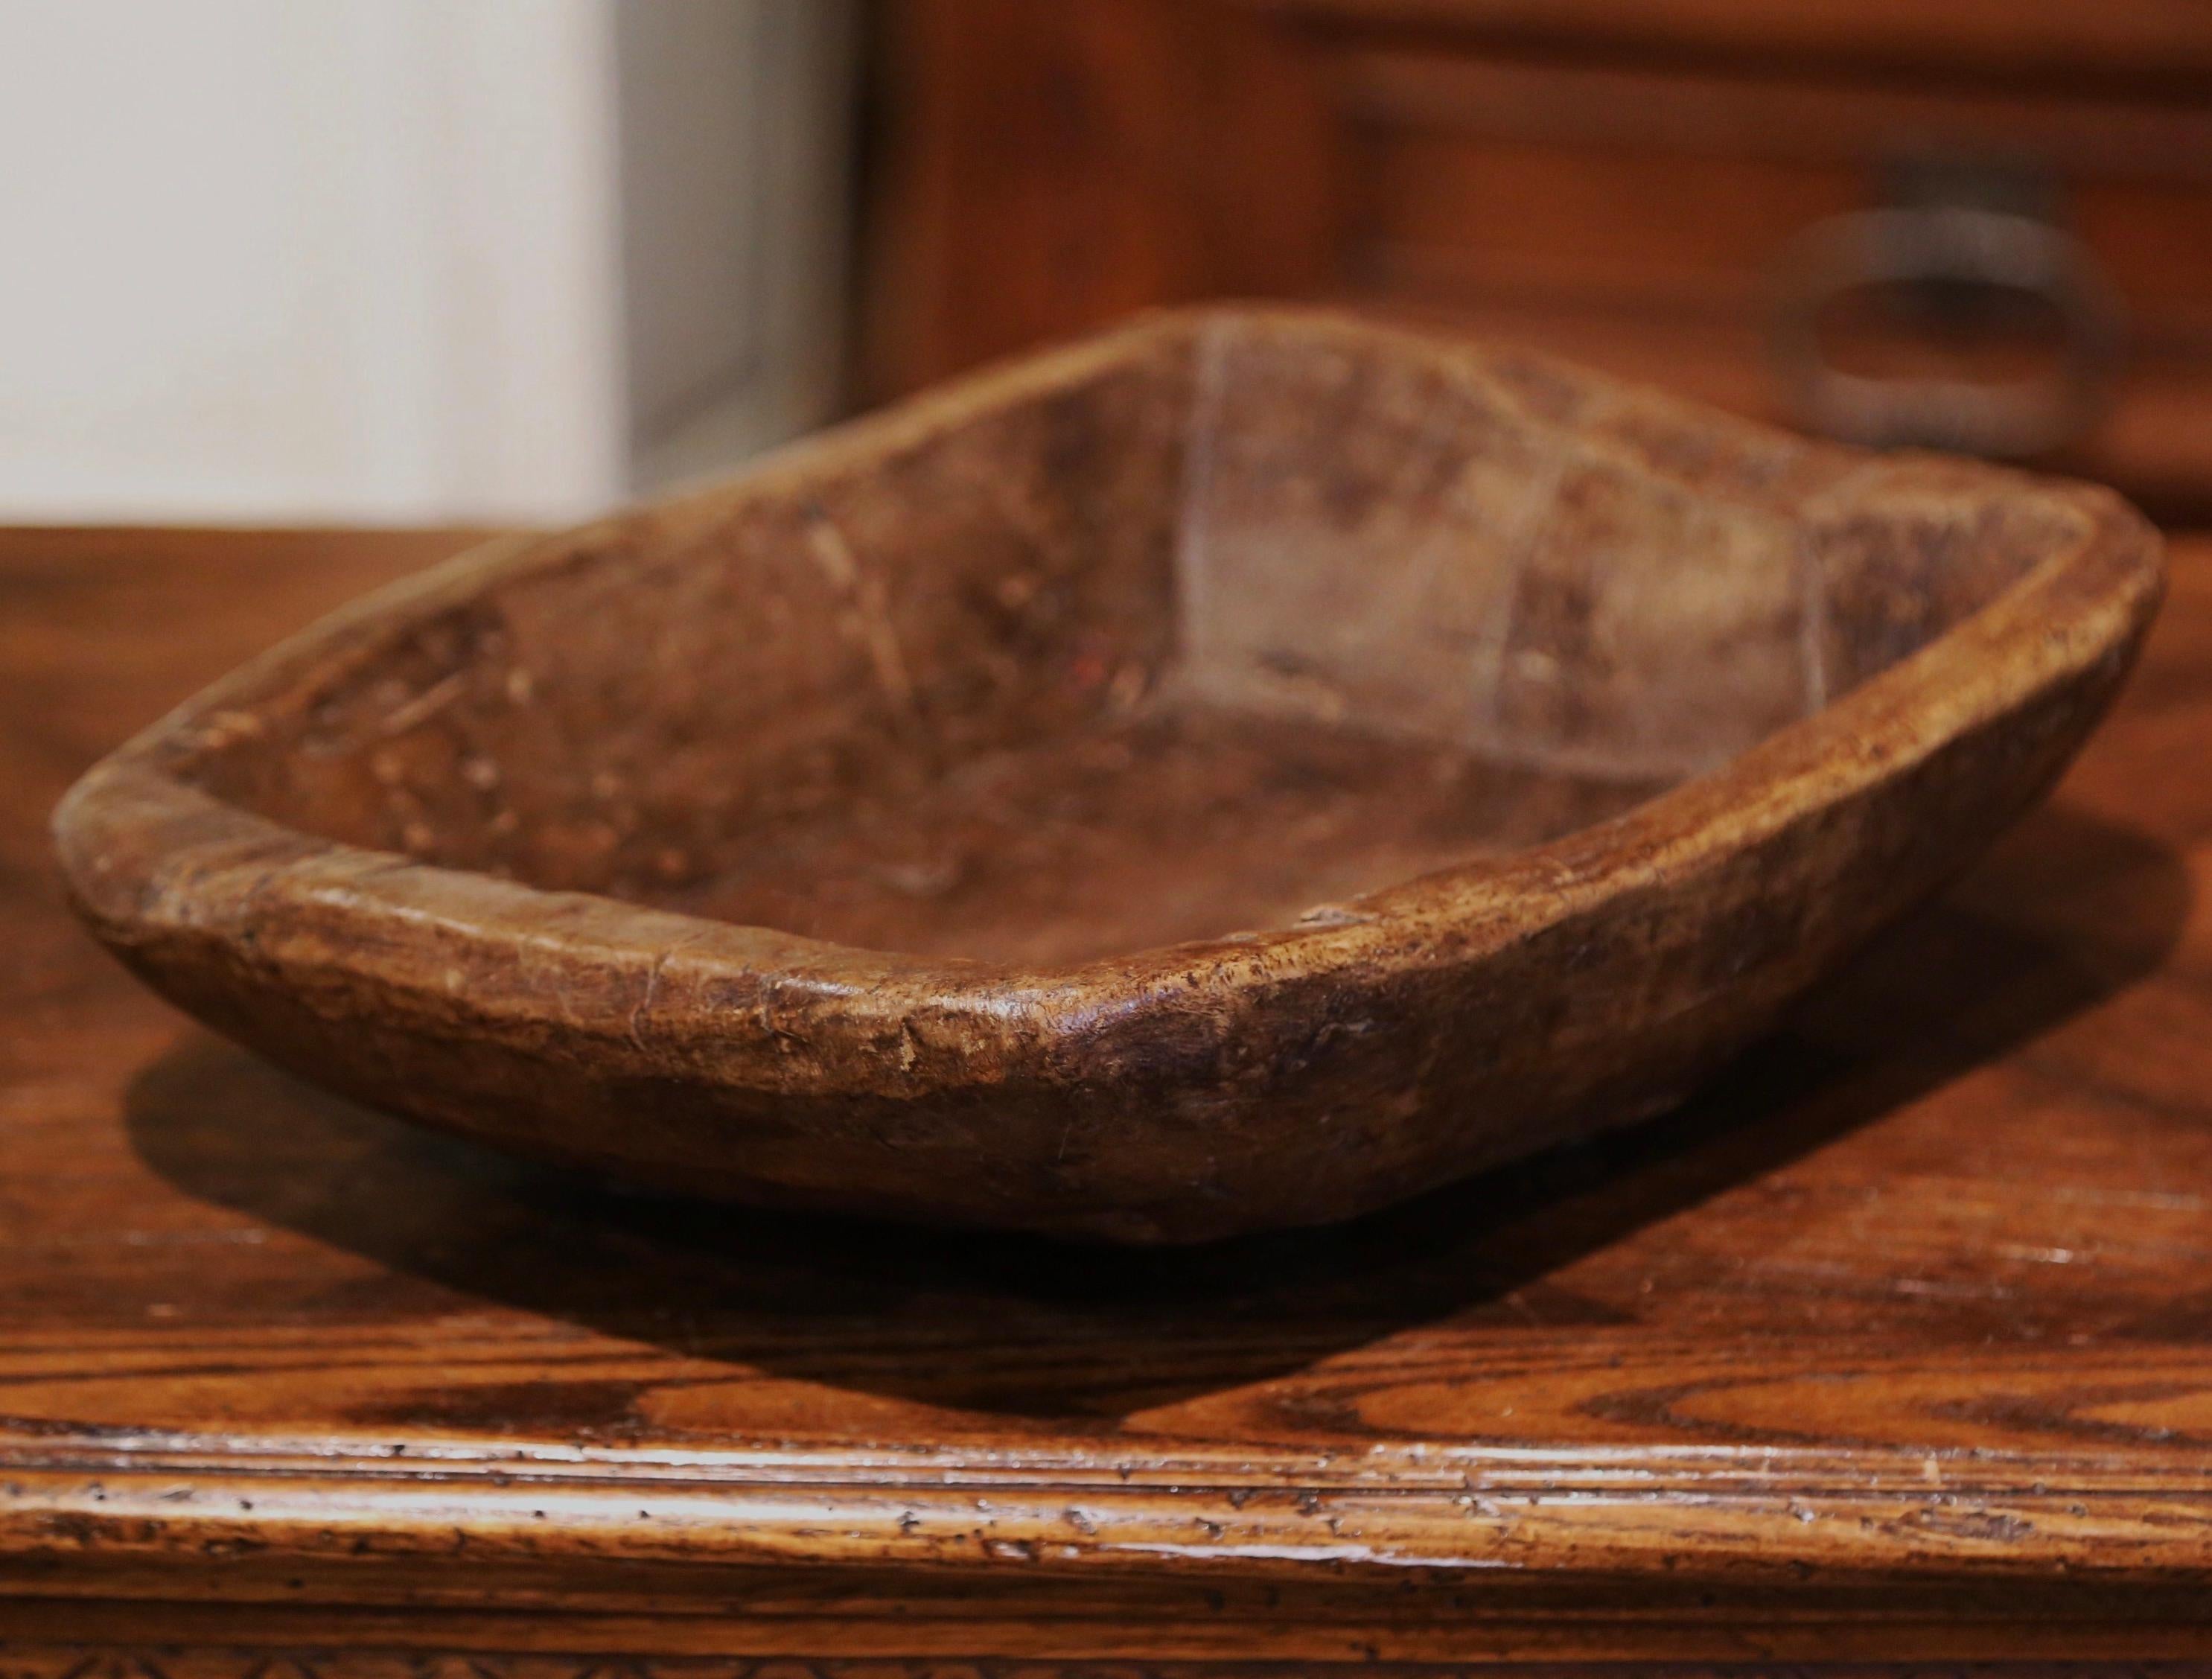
column 1956, row 260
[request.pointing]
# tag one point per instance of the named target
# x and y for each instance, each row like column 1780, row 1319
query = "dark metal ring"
column 1949, row 245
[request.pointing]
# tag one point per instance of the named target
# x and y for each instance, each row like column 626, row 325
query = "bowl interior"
column 1209, row 629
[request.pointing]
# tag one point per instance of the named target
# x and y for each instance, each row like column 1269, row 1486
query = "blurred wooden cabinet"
column 1616, row 179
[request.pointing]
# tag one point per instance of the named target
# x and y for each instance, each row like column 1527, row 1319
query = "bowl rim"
column 146, row 854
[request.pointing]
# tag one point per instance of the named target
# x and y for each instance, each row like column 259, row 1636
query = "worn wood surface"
column 1151, row 790
column 1897, row 1345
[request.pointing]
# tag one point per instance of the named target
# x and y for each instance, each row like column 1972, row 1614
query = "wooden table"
column 1895, row 1346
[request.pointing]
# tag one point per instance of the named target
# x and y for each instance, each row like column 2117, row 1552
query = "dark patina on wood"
column 1240, row 771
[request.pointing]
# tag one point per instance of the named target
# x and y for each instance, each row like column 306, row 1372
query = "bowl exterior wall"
column 1179, row 1094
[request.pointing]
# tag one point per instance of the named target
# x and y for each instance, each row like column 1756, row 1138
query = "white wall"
column 734, row 121
column 267, row 260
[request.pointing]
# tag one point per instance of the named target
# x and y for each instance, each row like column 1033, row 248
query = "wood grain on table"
column 1896, row 1345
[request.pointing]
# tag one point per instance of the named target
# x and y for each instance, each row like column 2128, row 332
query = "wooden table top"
column 1897, row 1342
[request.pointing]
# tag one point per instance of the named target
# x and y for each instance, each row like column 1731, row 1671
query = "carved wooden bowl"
column 1236, row 772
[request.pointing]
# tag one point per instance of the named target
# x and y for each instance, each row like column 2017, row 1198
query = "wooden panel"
column 1049, row 168
column 1622, row 186
column 1584, row 177
column 2140, row 42
column 1637, row 219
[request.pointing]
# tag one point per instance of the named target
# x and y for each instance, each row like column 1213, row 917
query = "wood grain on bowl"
column 1239, row 771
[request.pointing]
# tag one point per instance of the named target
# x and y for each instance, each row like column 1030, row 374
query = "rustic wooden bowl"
column 1236, row 772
